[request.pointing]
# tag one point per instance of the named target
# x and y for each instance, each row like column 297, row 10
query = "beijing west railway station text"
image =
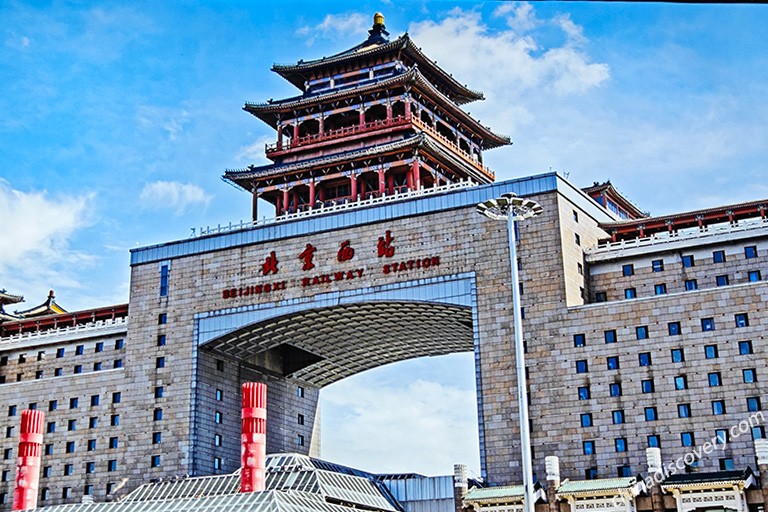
column 642, row 332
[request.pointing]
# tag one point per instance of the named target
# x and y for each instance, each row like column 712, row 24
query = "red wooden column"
column 312, row 193
column 279, row 135
column 382, row 182
column 253, row 448
column 416, row 174
column 362, row 116
column 28, row 460
column 353, row 186
column 286, row 201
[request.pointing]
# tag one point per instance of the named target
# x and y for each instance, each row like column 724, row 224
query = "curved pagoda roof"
column 7, row 298
column 378, row 47
column 268, row 112
column 49, row 307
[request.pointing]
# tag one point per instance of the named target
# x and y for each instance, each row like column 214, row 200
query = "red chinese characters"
column 270, row 264
column 307, row 255
column 346, row 252
column 385, row 247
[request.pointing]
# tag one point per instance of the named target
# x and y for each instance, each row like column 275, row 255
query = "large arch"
column 323, row 345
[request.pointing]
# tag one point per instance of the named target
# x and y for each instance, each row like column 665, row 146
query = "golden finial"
column 378, row 19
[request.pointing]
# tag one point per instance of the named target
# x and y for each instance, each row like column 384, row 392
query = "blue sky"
column 118, row 119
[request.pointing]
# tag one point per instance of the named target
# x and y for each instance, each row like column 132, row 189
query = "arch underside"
column 323, row 345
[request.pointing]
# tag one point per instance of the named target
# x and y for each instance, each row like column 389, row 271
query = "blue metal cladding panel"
column 447, row 201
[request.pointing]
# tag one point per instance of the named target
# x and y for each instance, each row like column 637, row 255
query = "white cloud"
column 34, row 241
column 172, row 121
column 173, row 195
column 253, row 154
column 404, row 417
column 333, row 26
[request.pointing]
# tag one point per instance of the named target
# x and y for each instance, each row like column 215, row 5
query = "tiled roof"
column 683, row 479
column 599, row 484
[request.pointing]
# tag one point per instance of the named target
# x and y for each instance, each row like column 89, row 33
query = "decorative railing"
column 332, row 206
column 683, row 234
column 455, row 147
column 338, row 133
column 79, row 330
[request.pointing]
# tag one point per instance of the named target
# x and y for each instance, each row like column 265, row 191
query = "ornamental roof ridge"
column 294, row 73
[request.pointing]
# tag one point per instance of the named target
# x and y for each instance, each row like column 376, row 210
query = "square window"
column 99, row 347
column 615, row 389
column 155, row 461
column 8, row 431
column 159, row 392
column 70, row 447
column 624, row 471
column 53, row 405
column 116, row 397
column 678, row 355
column 750, row 375
column 745, row 347
column 630, row 293
column 46, row 472
column 161, row 340
column 95, row 400
column 60, row 352
column 657, row 265
column 620, row 444
column 91, row 445
column 118, row 363
column 300, row 440
column 601, row 297
column 68, row 468
column 687, row 439
column 58, row 372
column 714, row 379
column 114, row 420
column 157, row 415
column 721, row 280
column 673, row 328
column 220, row 365
column 300, row 391
column 217, row 417
column 718, row 256
column 581, row 366
column 219, row 395
column 618, row 417
column 217, row 440
column 590, row 473
column 73, row 403
column 654, row 441
column 688, row 261
column 583, row 393
column 660, row 289
column 11, row 410
column 162, row 318
column 628, row 270
column 88, row 490
column 750, row 251
column 718, row 407
column 93, row 422
column 758, row 433
column 113, row 443
column 39, row 374
column 684, row 410
column 753, row 404
column 579, row 340
column 8, row 453
column 157, row 437
column 647, row 386
column 66, row 492
column 78, row 368
column 111, row 465
column 72, row 425
column 726, row 464
column 681, row 382
column 577, row 239
column 641, row 332
column 754, row 276
column 160, row 362
column 650, row 414
column 32, row 406
column 644, row 358
column 691, row 284
column 79, row 350
column 588, row 447
column 300, row 418
column 610, row 336
column 613, row 363
column 586, row 420
column 742, row 319
column 721, row 436
column 119, row 344
column 97, row 366
column 48, row 449
column 710, row 351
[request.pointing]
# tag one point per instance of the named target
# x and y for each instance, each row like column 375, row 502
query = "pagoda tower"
column 376, row 120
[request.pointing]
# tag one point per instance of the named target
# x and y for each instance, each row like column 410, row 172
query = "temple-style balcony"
column 306, row 141
column 65, row 334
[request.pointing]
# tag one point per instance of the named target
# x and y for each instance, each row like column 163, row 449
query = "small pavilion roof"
column 49, row 307
column 741, row 478
column 300, row 72
column 244, row 177
column 7, row 298
column 596, row 486
column 607, row 189
column 502, row 494
column 267, row 112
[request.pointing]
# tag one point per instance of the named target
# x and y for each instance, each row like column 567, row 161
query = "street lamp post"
column 511, row 208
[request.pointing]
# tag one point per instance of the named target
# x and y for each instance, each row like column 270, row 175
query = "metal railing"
column 334, row 206
column 683, row 234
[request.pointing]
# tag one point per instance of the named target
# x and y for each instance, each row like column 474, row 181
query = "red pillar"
column 279, row 136
column 409, row 179
column 353, row 186
column 312, row 193
column 362, row 116
column 253, row 448
column 28, row 460
column 382, row 182
column 390, row 184
column 286, row 201
column 295, row 132
column 416, row 174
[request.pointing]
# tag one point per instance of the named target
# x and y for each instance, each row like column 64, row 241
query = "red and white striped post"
column 28, row 460
column 253, row 449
